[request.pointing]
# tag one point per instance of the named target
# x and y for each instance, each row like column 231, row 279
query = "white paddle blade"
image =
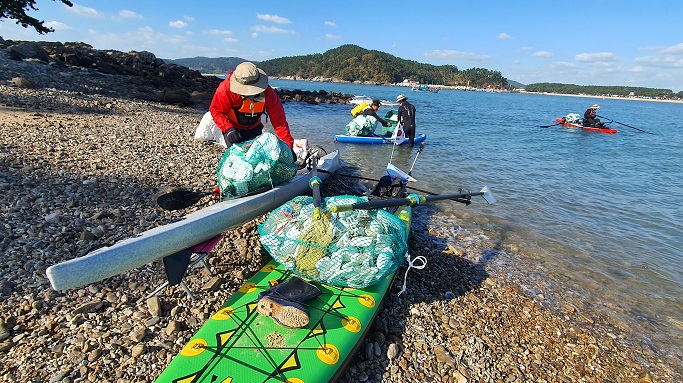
column 395, row 172
column 488, row 195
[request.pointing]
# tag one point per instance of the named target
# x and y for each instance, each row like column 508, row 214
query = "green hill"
column 355, row 64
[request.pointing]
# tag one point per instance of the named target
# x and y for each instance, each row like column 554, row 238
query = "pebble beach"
column 80, row 170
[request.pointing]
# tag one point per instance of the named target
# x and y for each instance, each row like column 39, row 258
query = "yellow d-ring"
column 327, row 353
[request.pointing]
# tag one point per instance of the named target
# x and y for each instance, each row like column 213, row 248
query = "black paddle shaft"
column 380, row 204
column 628, row 126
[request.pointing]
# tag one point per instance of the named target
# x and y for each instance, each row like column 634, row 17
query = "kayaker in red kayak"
column 590, row 119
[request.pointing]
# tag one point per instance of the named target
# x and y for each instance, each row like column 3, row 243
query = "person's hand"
column 232, row 136
column 293, row 154
column 386, row 124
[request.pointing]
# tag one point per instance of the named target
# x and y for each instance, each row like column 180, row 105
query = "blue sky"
column 599, row 42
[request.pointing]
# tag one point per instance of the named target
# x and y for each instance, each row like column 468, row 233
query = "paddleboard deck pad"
column 238, row 345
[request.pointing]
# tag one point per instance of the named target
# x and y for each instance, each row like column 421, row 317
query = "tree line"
column 600, row 90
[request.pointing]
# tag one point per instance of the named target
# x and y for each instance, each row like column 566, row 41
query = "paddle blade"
column 488, row 195
column 178, row 199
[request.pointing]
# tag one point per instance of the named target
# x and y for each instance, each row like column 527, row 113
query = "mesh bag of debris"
column 251, row 165
column 573, row 118
column 349, row 249
column 362, row 126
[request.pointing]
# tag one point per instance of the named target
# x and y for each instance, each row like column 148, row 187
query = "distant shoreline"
column 450, row 87
column 605, row 97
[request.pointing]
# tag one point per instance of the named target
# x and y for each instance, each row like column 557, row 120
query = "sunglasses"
column 253, row 97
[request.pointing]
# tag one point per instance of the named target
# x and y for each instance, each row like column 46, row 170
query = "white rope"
column 411, row 265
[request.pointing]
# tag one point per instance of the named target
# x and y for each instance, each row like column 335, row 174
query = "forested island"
column 351, row 63
column 606, row 91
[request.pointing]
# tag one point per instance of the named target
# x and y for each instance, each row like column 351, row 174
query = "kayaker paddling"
column 590, row 118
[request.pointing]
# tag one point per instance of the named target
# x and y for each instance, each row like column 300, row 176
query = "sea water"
column 598, row 216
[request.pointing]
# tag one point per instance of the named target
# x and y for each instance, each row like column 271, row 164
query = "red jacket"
column 225, row 102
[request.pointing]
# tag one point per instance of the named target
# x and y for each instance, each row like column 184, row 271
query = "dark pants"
column 410, row 133
column 592, row 122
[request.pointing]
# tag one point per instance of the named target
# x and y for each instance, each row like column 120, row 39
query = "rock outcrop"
column 78, row 67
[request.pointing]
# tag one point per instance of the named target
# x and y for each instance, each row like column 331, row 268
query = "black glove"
column 386, row 124
column 232, row 136
column 293, row 154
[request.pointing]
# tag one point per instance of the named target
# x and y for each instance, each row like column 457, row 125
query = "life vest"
column 248, row 114
column 358, row 109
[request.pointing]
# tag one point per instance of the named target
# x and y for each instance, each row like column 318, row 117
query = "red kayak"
column 563, row 122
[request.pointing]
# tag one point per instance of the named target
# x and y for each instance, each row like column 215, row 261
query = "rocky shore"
column 79, row 169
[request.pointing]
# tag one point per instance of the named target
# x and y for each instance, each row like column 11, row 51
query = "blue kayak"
column 419, row 137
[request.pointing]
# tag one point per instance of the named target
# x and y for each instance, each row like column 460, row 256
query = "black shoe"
column 294, row 289
column 283, row 302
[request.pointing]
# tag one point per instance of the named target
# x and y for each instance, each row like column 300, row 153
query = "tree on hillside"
column 16, row 10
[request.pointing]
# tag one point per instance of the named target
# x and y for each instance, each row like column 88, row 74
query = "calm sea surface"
column 599, row 217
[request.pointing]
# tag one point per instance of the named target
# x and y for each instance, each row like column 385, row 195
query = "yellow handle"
column 341, row 208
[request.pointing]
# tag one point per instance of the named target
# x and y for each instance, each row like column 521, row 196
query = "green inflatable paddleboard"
column 238, row 345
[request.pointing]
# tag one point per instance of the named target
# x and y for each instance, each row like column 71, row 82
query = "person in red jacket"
column 240, row 101
column 590, row 117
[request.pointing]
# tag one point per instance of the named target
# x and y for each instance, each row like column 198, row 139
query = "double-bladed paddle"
column 414, row 199
column 628, row 126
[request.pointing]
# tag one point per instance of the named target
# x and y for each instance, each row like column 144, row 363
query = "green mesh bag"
column 392, row 118
column 362, row 126
column 573, row 118
column 349, row 249
column 253, row 164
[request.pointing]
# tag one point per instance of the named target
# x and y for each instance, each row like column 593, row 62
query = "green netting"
column 362, row 126
column 250, row 165
column 350, row 249
column 392, row 118
column 573, row 118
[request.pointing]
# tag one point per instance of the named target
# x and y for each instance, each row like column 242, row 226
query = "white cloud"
column 670, row 57
column 230, row 40
column 330, row 24
column 220, row 32
column 126, row 14
column 674, row 50
column 505, row 36
column 455, row 55
column 332, row 37
column 273, row 19
column 188, row 18
column 542, row 54
column 146, row 39
column 596, row 57
column 84, row 11
column 177, row 24
column 58, row 26
column 563, row 65
column 662, row 61
column 265, row 29
column 254, row 35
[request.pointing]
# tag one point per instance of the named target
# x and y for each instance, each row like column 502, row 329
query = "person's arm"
column 276, row 111
column 220, row 105
column 371, row 112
